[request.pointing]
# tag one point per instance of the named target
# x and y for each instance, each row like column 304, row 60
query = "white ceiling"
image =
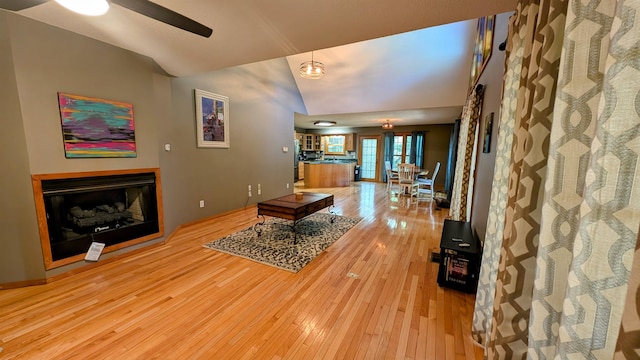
column 416, row 77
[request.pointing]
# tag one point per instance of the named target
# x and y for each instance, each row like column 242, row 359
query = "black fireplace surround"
column 112, row 209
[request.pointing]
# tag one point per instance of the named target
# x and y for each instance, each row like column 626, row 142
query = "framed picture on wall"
column 96, row 128
column 212, row 119
column 482, row 47
column 488, row 127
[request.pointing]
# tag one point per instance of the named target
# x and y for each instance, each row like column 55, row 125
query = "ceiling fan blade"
column 17, row 5
column 160, row 13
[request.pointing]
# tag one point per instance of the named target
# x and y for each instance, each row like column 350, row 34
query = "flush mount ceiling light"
column 86, row 7
column 312, row 69
column 387, row 125
column 324, row 123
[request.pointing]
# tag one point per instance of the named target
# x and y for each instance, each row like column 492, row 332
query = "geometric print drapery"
column 462, row 192
column 495, row 221
column 565, row 285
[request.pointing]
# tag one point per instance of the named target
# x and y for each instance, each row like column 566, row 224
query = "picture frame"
column 483, row 47
column 212, row 119
column 488, row 129
column 96, row 128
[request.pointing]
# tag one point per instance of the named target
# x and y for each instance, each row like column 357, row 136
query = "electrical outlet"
column 201, row 203
column 287, row 185
column 259, row 190
column 250, row 194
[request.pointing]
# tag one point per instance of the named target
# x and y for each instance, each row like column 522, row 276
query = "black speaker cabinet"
column 460, row 256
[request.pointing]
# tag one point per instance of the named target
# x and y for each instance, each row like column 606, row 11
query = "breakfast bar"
column 328, row 173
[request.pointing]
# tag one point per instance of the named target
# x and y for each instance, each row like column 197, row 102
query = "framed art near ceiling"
column 96, row 128
column 212, row 119
column 482, row 47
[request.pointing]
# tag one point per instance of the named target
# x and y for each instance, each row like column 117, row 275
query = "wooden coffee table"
column 290, row 208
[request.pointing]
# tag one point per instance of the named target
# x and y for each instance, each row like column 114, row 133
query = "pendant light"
column 312, row 69
column 387, row 125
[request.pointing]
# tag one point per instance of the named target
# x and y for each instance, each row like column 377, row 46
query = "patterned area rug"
column 275, row 246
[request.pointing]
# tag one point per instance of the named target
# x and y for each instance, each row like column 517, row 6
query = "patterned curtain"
column 563, row 282
column 495, row 221
column 465, row 163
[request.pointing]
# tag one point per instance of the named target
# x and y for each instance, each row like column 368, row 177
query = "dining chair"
column 407, row 180
column 392, row 176
column 425, row 186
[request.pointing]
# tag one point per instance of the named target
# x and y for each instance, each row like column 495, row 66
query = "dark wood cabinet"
column 460, row 256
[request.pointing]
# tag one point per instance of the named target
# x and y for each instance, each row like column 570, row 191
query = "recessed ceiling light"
column 324, row 123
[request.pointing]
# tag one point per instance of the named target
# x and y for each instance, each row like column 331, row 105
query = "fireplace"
column 117, row 208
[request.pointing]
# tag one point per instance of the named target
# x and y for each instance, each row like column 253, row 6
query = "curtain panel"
column 564, row 280
column 467, row 151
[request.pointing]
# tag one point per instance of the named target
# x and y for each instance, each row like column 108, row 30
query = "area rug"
column 275, row 246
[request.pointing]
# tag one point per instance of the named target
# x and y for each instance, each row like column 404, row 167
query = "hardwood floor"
column 182, row 301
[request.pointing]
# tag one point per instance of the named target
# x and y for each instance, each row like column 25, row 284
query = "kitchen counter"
column 328, row 173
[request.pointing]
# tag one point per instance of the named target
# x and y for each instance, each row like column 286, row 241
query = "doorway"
column 369, row 158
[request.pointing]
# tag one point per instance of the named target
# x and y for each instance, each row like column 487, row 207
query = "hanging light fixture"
column 312, row 69
column 86, row 7
column 387, row 125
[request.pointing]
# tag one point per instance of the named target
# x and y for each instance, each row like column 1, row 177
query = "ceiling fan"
column 143, row 7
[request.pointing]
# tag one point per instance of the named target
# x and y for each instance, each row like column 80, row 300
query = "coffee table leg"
column 295, row 233
column 257, row 226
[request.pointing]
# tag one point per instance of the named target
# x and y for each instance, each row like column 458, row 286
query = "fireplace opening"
column 116, row 209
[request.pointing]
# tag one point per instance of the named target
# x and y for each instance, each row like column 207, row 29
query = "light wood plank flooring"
column 182, row 301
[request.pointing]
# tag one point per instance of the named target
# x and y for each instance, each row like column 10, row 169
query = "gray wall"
column 20, row 257
column 262, row 100
column 39, row 60
column 492, row 78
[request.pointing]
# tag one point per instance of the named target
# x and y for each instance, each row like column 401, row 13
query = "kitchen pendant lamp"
column 387, row 125
column 86, row 7
column 312, row 69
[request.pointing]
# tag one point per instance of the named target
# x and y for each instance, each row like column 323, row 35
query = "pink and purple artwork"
column 93, row 127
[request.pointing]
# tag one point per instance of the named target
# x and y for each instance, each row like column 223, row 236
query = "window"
column 401, row 150
column 334, row 144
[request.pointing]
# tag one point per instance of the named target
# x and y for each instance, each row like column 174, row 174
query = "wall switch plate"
column 201, row 203
column 285, row 149
column 167, row 147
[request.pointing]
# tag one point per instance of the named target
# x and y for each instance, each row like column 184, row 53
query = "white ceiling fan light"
column 86, row 7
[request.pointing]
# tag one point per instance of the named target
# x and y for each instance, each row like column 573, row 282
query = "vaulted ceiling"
column 385, row 59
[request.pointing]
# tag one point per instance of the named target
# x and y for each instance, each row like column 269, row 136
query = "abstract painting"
column 212, row 119
column 93, row 127
column 482, row 47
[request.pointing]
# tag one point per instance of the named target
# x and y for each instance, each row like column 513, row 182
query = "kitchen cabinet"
column 327, row 174
column 310, row 142
column 349, row 142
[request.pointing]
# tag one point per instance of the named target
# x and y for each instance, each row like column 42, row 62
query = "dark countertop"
column 337, row 161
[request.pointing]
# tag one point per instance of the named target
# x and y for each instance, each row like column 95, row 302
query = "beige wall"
column 492, row 78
